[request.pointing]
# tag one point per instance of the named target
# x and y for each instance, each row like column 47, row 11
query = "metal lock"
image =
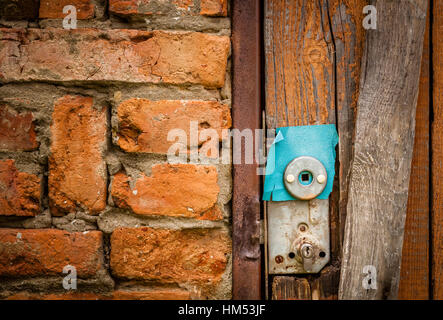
column 305, row 178
column 299, row 230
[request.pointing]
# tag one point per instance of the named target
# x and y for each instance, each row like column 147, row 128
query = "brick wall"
column 84, row 176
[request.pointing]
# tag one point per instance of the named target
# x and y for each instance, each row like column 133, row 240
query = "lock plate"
column 305, row 178
column 298, row 236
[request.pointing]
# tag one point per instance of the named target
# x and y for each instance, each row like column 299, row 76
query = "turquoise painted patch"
column 316, row 141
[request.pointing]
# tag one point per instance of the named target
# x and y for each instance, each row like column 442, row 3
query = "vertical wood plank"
column 313, row 51
column 414, row 277
column 299, row 83
column 384, row 138
column 291, row 288
column 299, row 64
column 349, row 35
column 437, row 151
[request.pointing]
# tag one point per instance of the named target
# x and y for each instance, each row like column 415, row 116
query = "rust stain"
column 246, row 93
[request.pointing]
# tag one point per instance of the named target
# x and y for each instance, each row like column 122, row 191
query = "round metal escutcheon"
column 305, row 178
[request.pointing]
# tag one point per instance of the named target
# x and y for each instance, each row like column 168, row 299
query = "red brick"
column 149, row 7
column 178, row 190
column 128, row 7
column 154, row 294
column 19, row 191
column 17, row 130
column 196, row 256
column 144, row 124
column 53, row 9
column 113, row 55
column 184, row 4
column 41, row 252
column 77, row 171
column 214, row 7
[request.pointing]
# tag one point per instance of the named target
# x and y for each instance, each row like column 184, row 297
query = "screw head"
column 279, row 259
column 290, row 178
column 307, row 251
column 321, row 179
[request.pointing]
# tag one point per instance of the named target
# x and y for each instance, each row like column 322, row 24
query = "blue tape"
column 316, row 141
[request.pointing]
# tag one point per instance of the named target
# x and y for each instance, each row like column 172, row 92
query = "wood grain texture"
column 384, row 138
column 414, row 276
column 349, row 36
column 291, row 288
column 313, row 52
column 437, row 152
column 299, row 63
column 299, row 57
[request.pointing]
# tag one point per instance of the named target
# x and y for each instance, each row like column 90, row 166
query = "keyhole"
column 306, row 251
column 305, row 178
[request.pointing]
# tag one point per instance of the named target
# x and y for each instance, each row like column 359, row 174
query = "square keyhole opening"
column 305, row 178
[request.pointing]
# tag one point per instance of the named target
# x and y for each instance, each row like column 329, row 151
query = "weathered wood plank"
column 414, row 278
column 299, row 64
column 302, row 88
column 437, row 152
column 384, row 138
column 349, row 36
column 291, row 288
column 299, row 60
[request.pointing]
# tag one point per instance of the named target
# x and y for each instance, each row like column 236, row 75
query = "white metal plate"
column 286, row 222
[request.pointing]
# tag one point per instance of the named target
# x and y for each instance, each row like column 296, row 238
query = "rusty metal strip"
column 246, row 109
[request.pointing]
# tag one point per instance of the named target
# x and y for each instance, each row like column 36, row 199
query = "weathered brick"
column 128, row 7
column 196, row 256
column 113, row 55
column 19, row 191
column 53, row 9
column 179, row 190
column 77, row 171
column 155, row 294
column 17, row 130
column 40, row 252
column 149, row 7
column 184, row 4
column 214, row 7
column 143, row 125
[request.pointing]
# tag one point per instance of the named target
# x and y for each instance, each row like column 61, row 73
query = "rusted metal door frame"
column 246, row 112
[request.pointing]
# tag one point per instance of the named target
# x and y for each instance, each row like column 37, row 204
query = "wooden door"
column 313, row 52
column 313, row 57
